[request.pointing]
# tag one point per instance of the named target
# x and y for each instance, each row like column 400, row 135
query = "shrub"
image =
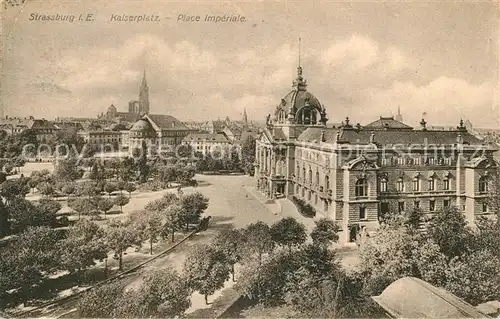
column 304, row 208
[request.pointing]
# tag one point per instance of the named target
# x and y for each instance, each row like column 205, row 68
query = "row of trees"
column 29, row 259
column 166, row 293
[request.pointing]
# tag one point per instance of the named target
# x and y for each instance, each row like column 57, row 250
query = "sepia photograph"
column 249, row 159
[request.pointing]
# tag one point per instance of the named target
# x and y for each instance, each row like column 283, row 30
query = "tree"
column 121, row 201
column 126, row 169
column 119, row 237
column 49, row 207
column 448, row 228
column 395, row 252
column 102, row 301
column 258, row 239
column 129, row 188
column 325, row 232
column 82, row 206
column 29, row 257
column 474, row 277
column 206, row 270
column 105, row 205
column 110, row 188
column 288, row 232
column 46, row 189
column 149, row 225
column 85, row 243
column 69, row 189
column 230, row 243
column 192, row 206
column 172, row 220
column 12, row 189
column 67, row 169
column 162, row 203
column 163, row 293
column 248, row 155
column 23, row 213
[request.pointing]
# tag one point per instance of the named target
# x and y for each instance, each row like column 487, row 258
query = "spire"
column 300, row 83
column 144, row 82
column 245, row 119
column 399, row 117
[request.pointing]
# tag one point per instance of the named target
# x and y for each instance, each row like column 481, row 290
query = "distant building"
column 103, row 140
column 354, row 174
column 157, row 132
column 207, row 143
column 45, row 130
column 399, row 117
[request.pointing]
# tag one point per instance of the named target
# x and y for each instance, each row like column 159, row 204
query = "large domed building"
column 356, row 174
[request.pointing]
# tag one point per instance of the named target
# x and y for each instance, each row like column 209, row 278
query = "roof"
column 387, row 123
column 411, row 297
column 30, row 123
column 142, row 125
column 387, row 137
column 165, row 122
column 206, row 137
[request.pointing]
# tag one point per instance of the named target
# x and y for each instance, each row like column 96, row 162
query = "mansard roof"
column 386, row 137
column 166, row 122
column 387, row 123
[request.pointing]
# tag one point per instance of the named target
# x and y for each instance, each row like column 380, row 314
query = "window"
column 384, row 207
column 317, row 178
column 417, row 161
column 361, row 188
column 432, row 205
column 485, row 207
column 416, row 184
column 446, row 203
column 383, row 185
column 304, row 174
column 400, row 185
column 309, row 195
column 483, row 184
column 416, row 204
column 383, row 161
column 432, row 183
column 401, row 207
column 327, row 183
column 362, row 212
column 310, row 176
column 431, row 160
column 316, row 199
column 446, row 184
column 401, row 160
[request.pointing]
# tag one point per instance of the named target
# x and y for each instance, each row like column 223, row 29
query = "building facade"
column 158, row 133
column 354, row 174
column 206, row 143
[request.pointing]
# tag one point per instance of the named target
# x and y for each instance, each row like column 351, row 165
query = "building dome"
column 300, row 106
column 142, row 126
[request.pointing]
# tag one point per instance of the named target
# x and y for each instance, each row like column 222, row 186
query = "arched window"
column 298, row 171
column 304, row 173
column 327, row 182
column 307, row 116
column 310, row 176
column 383, row 185
column 361, row 188
column 446, row 183
column 317, row 178
column 416, row 184
column 400, row 186
column 483, row 184
column 432, row 183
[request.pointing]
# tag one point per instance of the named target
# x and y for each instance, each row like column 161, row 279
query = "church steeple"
column 245, row 119
column 144, row 96
column 399, row 116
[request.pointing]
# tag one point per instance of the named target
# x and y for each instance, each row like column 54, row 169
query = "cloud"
column 445, row 100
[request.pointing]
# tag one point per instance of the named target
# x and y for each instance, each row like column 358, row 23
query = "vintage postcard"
column 242, row 159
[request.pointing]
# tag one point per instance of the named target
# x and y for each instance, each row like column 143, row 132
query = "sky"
column 360, row 59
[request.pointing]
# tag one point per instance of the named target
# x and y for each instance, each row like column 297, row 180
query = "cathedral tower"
column 144, row 96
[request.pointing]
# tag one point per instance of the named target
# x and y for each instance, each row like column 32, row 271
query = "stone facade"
column 355, row 174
